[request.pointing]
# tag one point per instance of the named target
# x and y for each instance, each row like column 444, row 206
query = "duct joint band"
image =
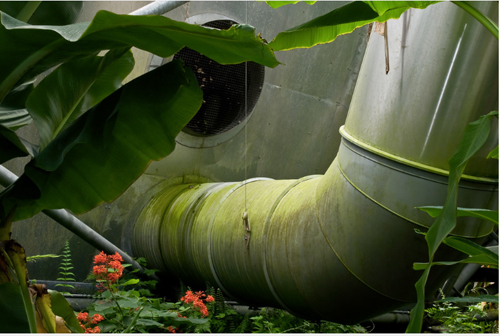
column 375, row 201
column 266, row 231
column 407, row 162
column 325, row 236
column 210, row 229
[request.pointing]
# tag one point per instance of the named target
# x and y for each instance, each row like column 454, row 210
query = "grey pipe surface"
column 158, row 7
column 319, row 245
column 75, row 225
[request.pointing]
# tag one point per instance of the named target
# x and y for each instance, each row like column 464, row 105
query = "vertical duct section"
column 321, row 244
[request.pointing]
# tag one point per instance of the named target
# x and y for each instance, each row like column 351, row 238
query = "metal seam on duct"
column 394, row 212
column 161, row 222
column 347, row 144
column 376, row 202
column 211, row 225
column 408, row 162
column 266, row 231
column 342, row 261
column 195, row 206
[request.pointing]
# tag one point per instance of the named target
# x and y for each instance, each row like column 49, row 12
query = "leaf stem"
column 485, row 21
column 114, row 298
column 134, row 321
column 28, row 10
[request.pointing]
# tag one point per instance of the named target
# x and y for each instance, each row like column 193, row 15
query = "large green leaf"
column 75, row 87
column 98, row 156
column 43, row 12
column 486, row 214
column 61, row 307
column 343, row 20
column 29, row 50
column 475, row 136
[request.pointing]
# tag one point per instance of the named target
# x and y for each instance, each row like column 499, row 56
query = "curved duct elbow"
column 316, row 246
column 320, row 245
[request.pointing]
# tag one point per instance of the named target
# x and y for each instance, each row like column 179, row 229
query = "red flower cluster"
column 84, row 317
column 197, row 300
column 108, row 269
column 171, row 329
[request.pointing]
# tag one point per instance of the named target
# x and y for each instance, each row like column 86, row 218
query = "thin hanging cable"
column 246, row 73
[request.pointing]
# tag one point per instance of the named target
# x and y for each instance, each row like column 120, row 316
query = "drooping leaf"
column 474, row 137
column 57, row 13
column 471, row 299
column 46, row 46
column 493, row 154
column 277, row 4
column 343, row 20
column 486, row 214
column 98, row 156
column 61, row 307
column 13, row 146
column 75, row 87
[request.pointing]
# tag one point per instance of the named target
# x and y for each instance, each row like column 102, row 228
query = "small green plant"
column 453, row 317
column 65, row 268
column 279, row 321
column 125, row 304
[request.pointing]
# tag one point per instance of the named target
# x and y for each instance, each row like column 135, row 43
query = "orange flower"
column 172, row 330
column 197, row 300
column 82, row 317
column 108, row 269
column 96, row 319
column 100, row 258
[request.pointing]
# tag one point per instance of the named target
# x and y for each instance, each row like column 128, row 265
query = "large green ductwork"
column 319, row 245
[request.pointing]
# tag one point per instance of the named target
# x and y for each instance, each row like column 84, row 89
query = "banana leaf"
column 74, row 88
column 28, row 50
column 99, row 155
column 343, row 20
column 57, row 13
